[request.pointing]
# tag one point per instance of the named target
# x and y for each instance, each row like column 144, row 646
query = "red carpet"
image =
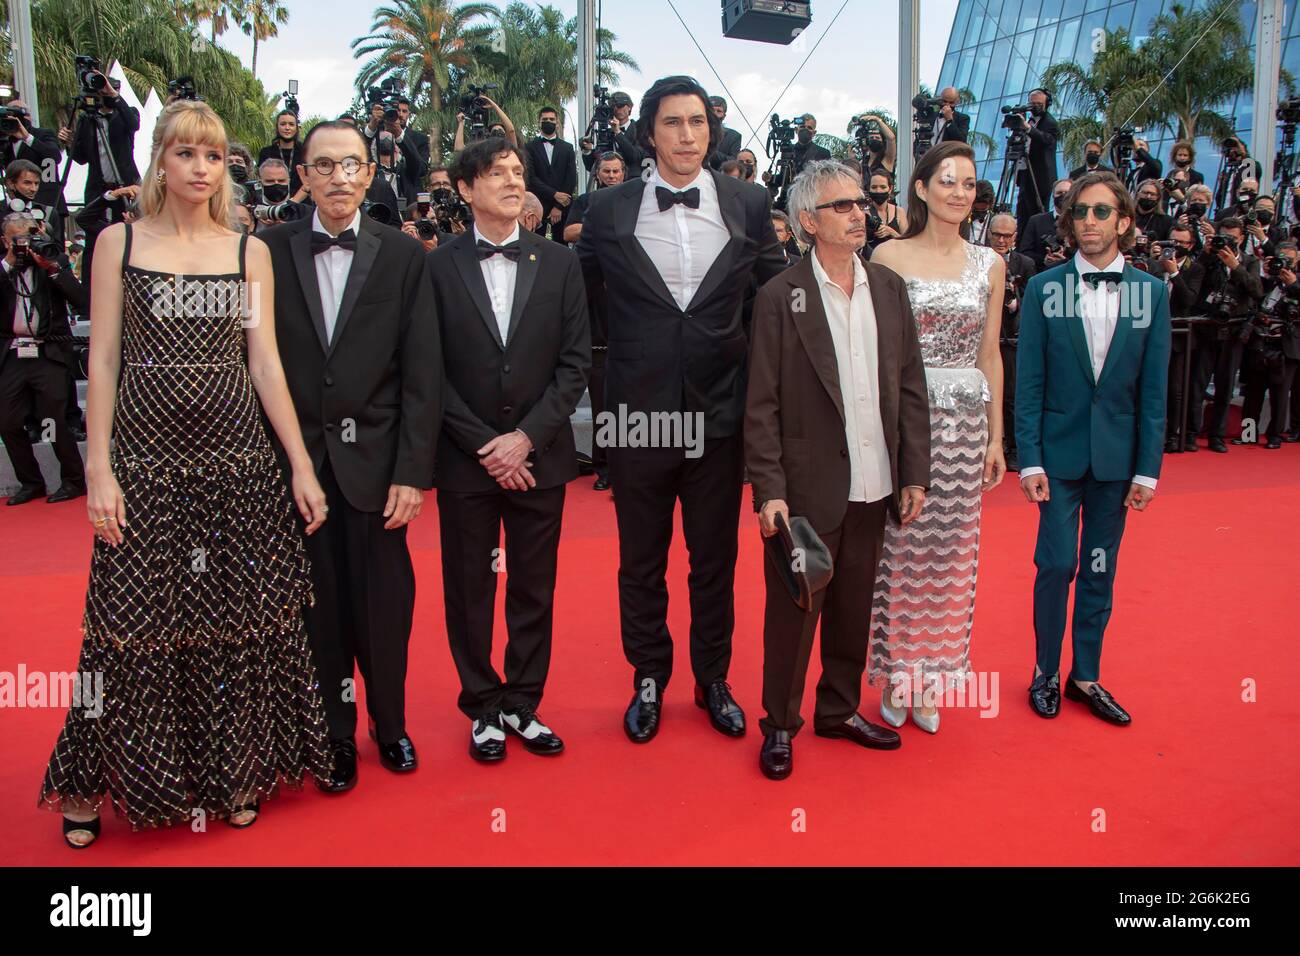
column 1205, row 600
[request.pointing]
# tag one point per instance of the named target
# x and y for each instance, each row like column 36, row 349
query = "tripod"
column 1285, row 176
column 1015, row 159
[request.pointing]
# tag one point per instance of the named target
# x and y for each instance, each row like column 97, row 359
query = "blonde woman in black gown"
column 199, row 577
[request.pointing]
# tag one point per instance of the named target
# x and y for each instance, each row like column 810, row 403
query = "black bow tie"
column 689, row 198
column 1095, row 278
column 321, row 241
column 486, row 250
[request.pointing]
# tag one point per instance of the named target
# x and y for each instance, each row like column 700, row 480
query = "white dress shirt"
column 332, row 267
column 1099, row 311
column 21, row 304
column 499, row 275
column 548, row 144
column 853, row 330
column 682, row 242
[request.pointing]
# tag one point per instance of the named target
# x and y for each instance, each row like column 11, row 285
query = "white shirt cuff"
column 1145, row 481
column 1030, row 472
column 31, row 139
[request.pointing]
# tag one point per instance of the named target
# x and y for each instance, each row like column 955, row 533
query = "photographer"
column 885, row 219
column 806, row 151
column 272, row 189
column 420, row 223
column 879, row 148
column 1020, row 268
column 405, row 161
column 785, row 236
column 729, row 147
column 1229, row 294
column 1195, row 215
column 1153, row 223
column 1035, row 181
column 610, row 172
column 418, row 139
column 1091, row 161
column 1241, row 201
column 503, row 128
column 36, row 145
column 622, row 131
column 287, row 148
column 1238, row 167
column 36, row 290
column 976, row 228
column 23, row 184
column 1181, row 177
column 1040, row 240
column 1262, row 232
column 552, row 172
column 451, row 213
column 951, row 123
column 748, row 165
column 395, row 182
column 1144, row 165
column 1183, row 272
column 1273, row 352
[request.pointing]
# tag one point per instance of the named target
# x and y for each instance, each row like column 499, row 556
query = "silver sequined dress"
column 925, row 584
column 209, row 694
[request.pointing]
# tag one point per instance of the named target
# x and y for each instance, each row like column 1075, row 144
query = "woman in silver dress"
column 925, row 587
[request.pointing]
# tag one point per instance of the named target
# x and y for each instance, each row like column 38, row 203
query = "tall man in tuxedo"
column 678, row 252
column 553, row 172
column 1092, row 367
column 1038, row 168
column 359, row 341
column 513, row 315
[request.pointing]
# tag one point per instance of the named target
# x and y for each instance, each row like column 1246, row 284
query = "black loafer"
column 776, row 758
column 1099, row 702
column 724, row 713
column 398, row 756
column 66, row 493
column 25, row 494
column 641, row 722
column 1190, row 445
column 1274, row 444
column 601, row 484
column 1171, row 446
column 487, row 740
column 344, row 775
column 1045, row 695
column 863, row 733
column 1216, row 444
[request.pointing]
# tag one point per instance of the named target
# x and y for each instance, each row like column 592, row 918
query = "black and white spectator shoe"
column 528, row 727
column 487, row 741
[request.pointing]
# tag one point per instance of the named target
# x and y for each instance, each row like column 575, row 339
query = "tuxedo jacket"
column 795, row 444
column 51, row 297
column 1042, row 157
column 1034, row 235
column 123, row 123
column 45, row 153
column 662, row 357
column 533, row 381
column 369, row 400
column 1068, row 421
column 956, row 130
column 546, row 178
column 729, row 148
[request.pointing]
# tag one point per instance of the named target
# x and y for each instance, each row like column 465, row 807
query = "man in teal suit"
column 1091, row 371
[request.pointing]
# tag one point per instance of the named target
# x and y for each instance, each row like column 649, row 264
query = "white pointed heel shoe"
column 894, row 716
column 930, row 724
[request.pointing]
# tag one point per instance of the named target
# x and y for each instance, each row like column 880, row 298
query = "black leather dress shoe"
column 1216, row 444
column 1100, row 702
column 1045, row 695
column 1291, row 436
column 1171, row 446
column 724, row 713
column 864, row 733
column 66, row 492
column 1013, row 461
column 528, row 727
column 641, row 722
column 1190, row 445
column 601, row 484
column 399, row 756
column 344, row 775
column 1274, row 444
column 1237, row 441
column 776, row 758
column 487, row 739
column 25, row 494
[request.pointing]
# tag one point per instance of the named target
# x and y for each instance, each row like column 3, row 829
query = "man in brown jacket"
column 837, row 430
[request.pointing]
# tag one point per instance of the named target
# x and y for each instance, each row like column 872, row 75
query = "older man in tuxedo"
column 358, row 338
column 677, row 250
column 837, row 432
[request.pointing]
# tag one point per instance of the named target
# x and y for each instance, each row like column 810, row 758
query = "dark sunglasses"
column 1079, row 211
column 842, row 206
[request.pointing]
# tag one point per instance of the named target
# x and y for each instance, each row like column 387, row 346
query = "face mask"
column 1093, row 159
column 1180, row 252
column 1245, row 197
column 1196, row 209
column 275, row 192
column 1264, row 217
column 747, row 167
column 879, row 198
column 1146, row 205
column 1036, row 109
column 548, row 128
column 805, row 136
column 1182, row 163
column 239, row 173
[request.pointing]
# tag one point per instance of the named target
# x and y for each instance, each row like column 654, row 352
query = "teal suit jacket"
column 1067, row 421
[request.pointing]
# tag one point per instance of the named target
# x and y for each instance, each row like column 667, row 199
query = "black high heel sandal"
column 90, row 826
column 255, row 807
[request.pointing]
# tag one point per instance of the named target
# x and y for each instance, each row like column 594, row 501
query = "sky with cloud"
column 855, row 65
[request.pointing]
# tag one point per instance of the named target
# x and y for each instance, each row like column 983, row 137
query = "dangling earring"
column 161, row 177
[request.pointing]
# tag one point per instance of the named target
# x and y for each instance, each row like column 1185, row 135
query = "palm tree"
column 260, row 20
column 220, row 14
column 419, row 43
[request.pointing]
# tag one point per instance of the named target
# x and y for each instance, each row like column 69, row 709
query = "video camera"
column 93, row 81
column 474, row 105
column 601, row 115
column 869, row 135
column 182, row 88
column 11, row 117
column 25, row 245
column 385, row 94
column 925, row 110
column 1288, row 111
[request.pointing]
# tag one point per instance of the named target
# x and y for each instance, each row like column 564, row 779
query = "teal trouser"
column 1057, row 557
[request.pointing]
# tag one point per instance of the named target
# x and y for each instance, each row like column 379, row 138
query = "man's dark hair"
column 609, row 156
column 1124, row 208
column 1232, row 222
column 18, row 167
column 619, row 98
column 1177, row 228
column 718, row 101
column 548, row 109
column 1288, row 244
column 437, row 169
column 477, row 158
column 403, row 99
column 335, row 124
column 673, row 86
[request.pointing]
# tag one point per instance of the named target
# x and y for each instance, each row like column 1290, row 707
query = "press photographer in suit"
column 951, row 123
column 1035, row 182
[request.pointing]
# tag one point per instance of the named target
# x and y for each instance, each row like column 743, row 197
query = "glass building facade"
column 998, row 49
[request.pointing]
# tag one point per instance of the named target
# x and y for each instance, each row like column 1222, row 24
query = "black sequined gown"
column 210, row 698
